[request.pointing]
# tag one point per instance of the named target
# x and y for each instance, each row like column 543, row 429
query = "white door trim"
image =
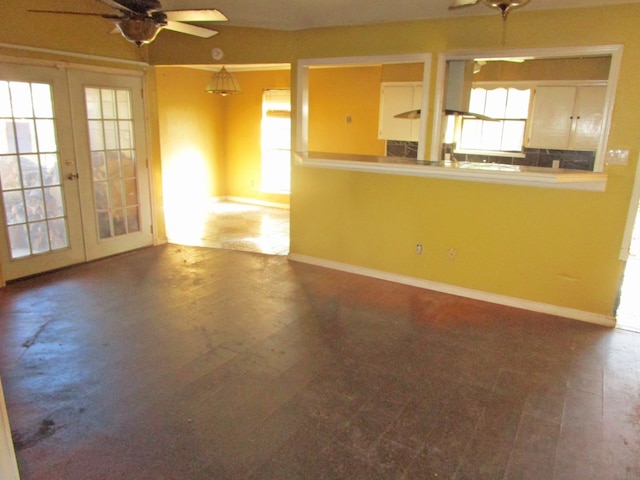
column 631, row 215
column 8, row 463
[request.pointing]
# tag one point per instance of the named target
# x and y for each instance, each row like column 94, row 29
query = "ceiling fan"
column 505, row 6
column 140, row 21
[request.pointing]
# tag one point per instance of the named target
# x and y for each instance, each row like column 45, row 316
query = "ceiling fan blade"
column 190, row 29
column 77, row 13
column 117, row 5
column 203, row 15
column 462, row 3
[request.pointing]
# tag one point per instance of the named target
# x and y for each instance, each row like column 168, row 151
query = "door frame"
column 632, row 213
column 8, row 463
column 103, row 66
column 95, row 247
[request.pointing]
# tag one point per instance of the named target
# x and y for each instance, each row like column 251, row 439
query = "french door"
column 73, row 169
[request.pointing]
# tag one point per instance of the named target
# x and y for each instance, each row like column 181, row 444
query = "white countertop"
column 463, row 171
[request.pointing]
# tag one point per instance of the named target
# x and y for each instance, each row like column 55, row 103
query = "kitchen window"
column 507, row 108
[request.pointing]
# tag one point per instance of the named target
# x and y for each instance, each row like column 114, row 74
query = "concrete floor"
column 179, row 362
column 232, row 225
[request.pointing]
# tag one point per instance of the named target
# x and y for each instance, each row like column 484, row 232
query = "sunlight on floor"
column 233, row 226
column 628, row 315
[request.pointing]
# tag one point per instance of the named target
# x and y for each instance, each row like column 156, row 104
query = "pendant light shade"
column 223, row 83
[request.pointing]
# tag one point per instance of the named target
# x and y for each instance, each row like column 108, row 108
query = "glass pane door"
column 113, row 161
column 30, row 171
column 39, row 195
column 110, row 147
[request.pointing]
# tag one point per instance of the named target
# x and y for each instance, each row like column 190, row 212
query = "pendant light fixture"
column 223, row 83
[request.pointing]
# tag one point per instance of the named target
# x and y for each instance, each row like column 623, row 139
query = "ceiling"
column 301, row 14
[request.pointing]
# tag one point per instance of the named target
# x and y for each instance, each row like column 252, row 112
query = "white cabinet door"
column 588, row 118
column 567, row 117
column 551, row 118
column 398, row 98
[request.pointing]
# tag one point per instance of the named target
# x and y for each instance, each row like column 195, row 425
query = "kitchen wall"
column 343, row 110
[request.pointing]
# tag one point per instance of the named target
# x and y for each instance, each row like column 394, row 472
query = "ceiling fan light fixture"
column 505, row 6
column 223, row 83
column 141, row 30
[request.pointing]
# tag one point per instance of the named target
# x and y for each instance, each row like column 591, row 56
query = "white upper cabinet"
column 567, row 117
column 397, row 98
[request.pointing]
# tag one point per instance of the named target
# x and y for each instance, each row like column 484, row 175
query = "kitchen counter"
column 462, row 171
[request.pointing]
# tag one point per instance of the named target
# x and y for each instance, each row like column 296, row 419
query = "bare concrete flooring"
column 180, row 362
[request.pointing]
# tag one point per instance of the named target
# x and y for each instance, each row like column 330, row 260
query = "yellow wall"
column 338, row 93
column 403, row 72
column 596, row 68
column 192, row 130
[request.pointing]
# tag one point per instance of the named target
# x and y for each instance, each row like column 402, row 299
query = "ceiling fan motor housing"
column 140, row 30
column 140, row 6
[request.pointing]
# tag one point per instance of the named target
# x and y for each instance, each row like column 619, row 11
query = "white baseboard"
column 251, row 201
column 8, row 464
column 590, row 317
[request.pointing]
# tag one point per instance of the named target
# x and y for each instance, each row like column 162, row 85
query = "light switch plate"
column 617, row 157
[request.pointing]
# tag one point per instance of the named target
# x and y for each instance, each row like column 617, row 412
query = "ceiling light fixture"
column 505, row 6
column 223, row 83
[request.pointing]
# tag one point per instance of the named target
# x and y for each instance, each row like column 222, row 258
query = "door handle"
column 73, row 176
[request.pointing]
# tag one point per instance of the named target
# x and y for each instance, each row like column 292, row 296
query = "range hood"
column 458, row 91
column 414, row 114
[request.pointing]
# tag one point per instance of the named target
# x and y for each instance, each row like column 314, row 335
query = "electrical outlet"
column 617, row 157
column 452, row 253
column 419, row 249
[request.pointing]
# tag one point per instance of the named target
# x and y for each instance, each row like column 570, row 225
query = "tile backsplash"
column 399, row 148
column 534, row 157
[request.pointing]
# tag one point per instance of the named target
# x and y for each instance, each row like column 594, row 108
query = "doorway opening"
column 628, row 313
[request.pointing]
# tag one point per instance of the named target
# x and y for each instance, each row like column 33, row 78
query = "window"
column 509, row 107
column 30, row 181
column 276, row 141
